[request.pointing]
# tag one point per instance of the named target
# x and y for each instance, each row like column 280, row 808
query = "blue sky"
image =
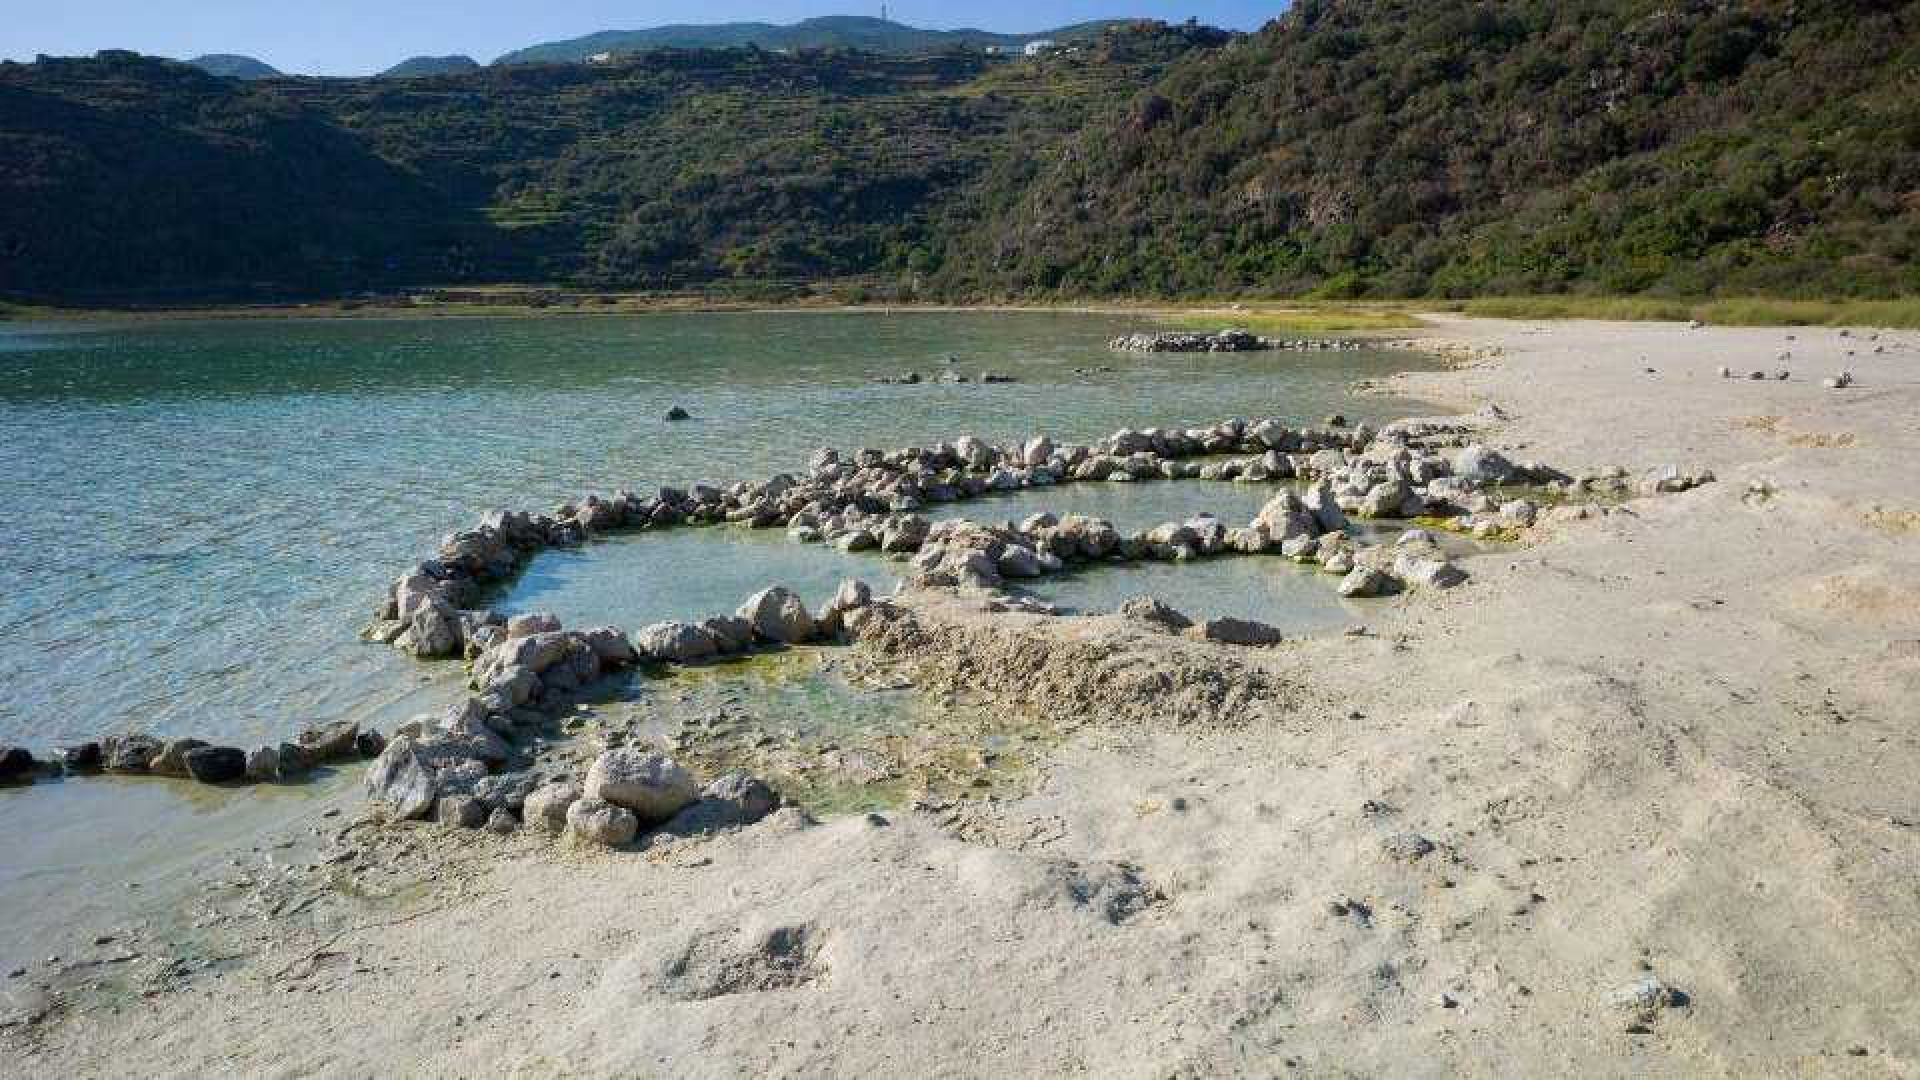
column 351, row 37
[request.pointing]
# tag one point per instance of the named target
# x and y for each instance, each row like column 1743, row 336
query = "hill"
column 1352, row 148
column 421, row 66
column 137, row 178
column 230, row 66
column 827, row 32
column 1391, row 147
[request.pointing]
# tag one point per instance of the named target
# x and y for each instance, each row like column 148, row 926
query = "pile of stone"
column 467, row 767
column 431, row 611
column 871, row 500
column 138, row 753
column 1222, row 341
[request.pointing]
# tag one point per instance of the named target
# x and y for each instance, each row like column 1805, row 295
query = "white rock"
column 546, row 807
column 651, row 785
column 590, row 821
column 778, row 615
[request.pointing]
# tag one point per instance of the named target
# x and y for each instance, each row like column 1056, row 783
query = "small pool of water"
column 692, row 573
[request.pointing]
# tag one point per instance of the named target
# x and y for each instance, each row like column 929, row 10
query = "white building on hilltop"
column 1037, row 48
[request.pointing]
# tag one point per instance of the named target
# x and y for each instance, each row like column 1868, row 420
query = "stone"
column 1407, row 846
column 172, row 758
column 1231, row 631
column 735, row 798
column 1365, row 581
column 263, row 764
column 546, row 806
column 678, row 413
column 1037, row 451
column 1151, row 611
column 520, row 626
column 1019, row 562
column 514, row 686
column 83, row 757
column 1424, row 570
column 731, row 633
column 1286, row 516
column 676, row 642
column 593, row 822
column 852, row 595
column 15, row 762
column 651, row 785
column 778, row 615
column 610, row 646
column 337, row 741
column 216, row 764
column 1482, row 465
column 402, row 780
column 1643, row 999
column 501, row 822
column 433, row 632
column 975, row 452
column 508, row 790
column 1325, row 506
column 460, row 811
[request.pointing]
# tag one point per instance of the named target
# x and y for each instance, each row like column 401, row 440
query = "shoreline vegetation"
column 1296, row 316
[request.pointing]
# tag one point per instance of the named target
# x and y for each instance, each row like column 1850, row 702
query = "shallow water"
column 200, row 515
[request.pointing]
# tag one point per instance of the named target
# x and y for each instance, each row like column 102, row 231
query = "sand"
column 1679, row 742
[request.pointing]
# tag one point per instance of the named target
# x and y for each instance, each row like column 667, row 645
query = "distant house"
column 1040, row 48
column 600, row 58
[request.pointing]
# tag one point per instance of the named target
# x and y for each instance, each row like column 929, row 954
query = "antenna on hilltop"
column 883, row 13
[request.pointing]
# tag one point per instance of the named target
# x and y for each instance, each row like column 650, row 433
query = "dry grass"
column 1303, row 319
column 1751, row 311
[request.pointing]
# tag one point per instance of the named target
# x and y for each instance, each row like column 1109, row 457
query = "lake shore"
column 1643, row 798
column 539, row 302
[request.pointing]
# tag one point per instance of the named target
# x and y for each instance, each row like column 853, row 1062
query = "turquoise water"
column 199, row 515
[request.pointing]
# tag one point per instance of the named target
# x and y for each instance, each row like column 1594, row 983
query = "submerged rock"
column 15, row 762
column 172, row 758
column 129, row 753
column 338, row 741
column 216, row 764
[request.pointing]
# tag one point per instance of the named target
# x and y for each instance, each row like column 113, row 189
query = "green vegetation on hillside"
column 1454, row 147
column 143, row 179
column 1668, row 155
